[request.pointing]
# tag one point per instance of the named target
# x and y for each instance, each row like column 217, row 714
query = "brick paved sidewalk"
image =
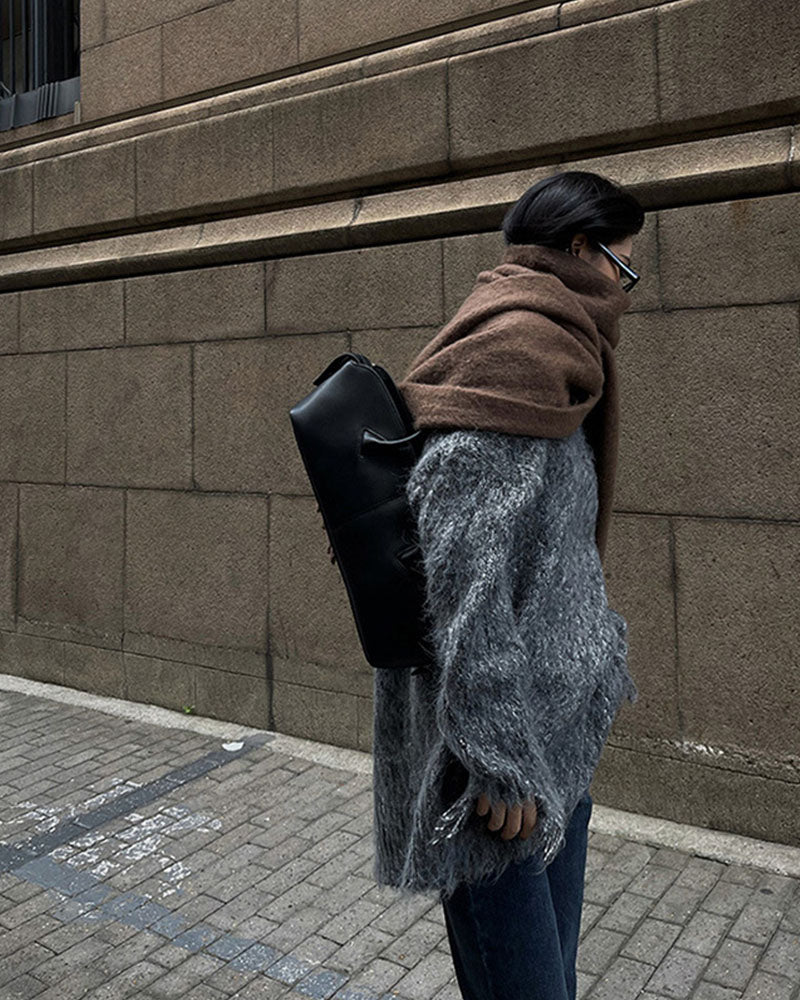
column 153, row 855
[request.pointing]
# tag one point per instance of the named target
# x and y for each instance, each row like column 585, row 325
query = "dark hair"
column 552, row 211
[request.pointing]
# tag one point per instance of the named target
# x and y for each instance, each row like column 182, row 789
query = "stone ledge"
column 721, row 168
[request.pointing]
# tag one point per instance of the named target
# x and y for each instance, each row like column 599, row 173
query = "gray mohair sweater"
column 531, row 662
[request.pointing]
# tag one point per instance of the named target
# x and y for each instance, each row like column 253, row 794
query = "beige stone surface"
column 396, row 285
column 94, row 668
column 708, row 169
column 537, row 116
column 699, row 792
column 712, row 168
column 221, row 694
column 154, row 681
column 310, row 619
column 345, row 677
column 736, row 62
column 9, row 323
column 16, row 202
column 8, row 554
column 125, row 18
column 393, row 350
column 277, row 232
column 326, row 716
column 224, row 160
column 196, row 568
column 33, row 442
column 328, row 27
column 32, row 656
column 129, row 419
column 464, row 258
column 730, row 252
column 228, row 43
column 83, row 190
column 574, row 12
column 709, row 416
column 639, row 574
column 243, row 437
column 92, row 17
column 480, row 35
column 70, row 563
column 208, row 303
column 738, row 597
column 122, row 75
column 170, row 648
column 386, row 128
column 69, row 317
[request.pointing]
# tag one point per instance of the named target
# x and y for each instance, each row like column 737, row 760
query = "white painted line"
column 717, row 844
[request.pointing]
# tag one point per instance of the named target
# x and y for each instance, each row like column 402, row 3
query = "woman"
column 482, row 766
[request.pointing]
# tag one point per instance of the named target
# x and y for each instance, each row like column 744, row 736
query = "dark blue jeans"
column 517, row 939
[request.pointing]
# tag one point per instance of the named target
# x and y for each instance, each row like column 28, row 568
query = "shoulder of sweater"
column 497, row 445
column 466, row 461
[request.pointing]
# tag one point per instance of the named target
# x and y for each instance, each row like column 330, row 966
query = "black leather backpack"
column 357, row 441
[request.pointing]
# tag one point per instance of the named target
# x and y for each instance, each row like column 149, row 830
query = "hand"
column 510, row 819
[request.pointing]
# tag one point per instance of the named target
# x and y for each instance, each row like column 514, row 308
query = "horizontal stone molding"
column 359, row 127
column 713, row 169
column 203, row 44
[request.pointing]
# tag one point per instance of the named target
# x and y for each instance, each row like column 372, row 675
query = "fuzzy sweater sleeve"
column 468, row 491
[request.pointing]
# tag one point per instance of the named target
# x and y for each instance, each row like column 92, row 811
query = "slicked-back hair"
column 553, row 210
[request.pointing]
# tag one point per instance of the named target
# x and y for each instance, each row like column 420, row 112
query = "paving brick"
column 757, row 922
column 703, row 932
column 626, row 912
column 677, row 973
column 727, row 898
column 677, row 904
column 631, row 857
column 598, row 948
column 361, row 949
column 606, row 885
column 343, row 926
column 184, row 976
column 412, row 946
column 782, row 957
column 764, row 986
column 662, row 923
column 733, row 964
column 650, row 942
column 427, row 976
column 22, row 961
column 131, row 981
column 623, row 980
column 713, row 991
column 25, row 987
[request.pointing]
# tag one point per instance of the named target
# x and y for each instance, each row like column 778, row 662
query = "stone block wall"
column 243, row 198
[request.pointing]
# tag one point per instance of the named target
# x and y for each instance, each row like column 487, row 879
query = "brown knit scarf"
column 529, row 351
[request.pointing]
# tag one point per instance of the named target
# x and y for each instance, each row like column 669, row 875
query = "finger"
column 483, row 804
column 529, row 817
column 498, row 816
column 513, row 822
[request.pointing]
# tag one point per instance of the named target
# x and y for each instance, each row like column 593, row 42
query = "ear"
column 578, row 242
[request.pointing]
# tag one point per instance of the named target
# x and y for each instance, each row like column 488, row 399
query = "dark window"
column 39, row 59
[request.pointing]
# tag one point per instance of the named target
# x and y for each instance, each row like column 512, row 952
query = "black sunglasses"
column 630, row 274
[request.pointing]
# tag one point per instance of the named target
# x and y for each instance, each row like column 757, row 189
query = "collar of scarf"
column 529, row 351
